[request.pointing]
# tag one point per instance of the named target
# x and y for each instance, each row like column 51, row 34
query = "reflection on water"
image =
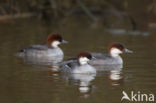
column 55, row 68
column 23, row 83
column 83, row 81
column 114, row 72
column 116, row 77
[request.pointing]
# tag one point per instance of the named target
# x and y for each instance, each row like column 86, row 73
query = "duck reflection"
column 83, row 81
column 115, row 73
column 116, row 77
column 54, row 68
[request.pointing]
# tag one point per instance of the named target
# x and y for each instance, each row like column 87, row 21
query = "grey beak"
column 127, row 51
column 64, row 42
column 93, row 58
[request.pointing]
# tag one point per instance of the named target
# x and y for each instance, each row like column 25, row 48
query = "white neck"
column 114, row 52
column 55, row 44
column 83, row 60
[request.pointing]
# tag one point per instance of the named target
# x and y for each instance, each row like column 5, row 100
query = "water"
column 22, row 82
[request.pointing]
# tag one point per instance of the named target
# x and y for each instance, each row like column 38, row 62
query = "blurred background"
column 135, row 15
column 88, row 25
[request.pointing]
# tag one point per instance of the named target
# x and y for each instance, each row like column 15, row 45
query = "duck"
column 49, row 50
column 113, row 56
column 79, row 65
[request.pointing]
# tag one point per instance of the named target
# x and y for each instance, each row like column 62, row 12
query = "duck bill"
column 93, row 58
column 64, row 42
column 128, row 51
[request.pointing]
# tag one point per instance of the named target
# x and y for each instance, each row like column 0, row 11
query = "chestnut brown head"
column 116, row 48
column 54, row 40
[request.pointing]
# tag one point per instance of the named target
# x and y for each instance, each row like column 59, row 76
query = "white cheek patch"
column 55, row 44
column 115, row 52
column 83, row 60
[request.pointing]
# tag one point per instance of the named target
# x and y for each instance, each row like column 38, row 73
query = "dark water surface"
column 21, row 82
